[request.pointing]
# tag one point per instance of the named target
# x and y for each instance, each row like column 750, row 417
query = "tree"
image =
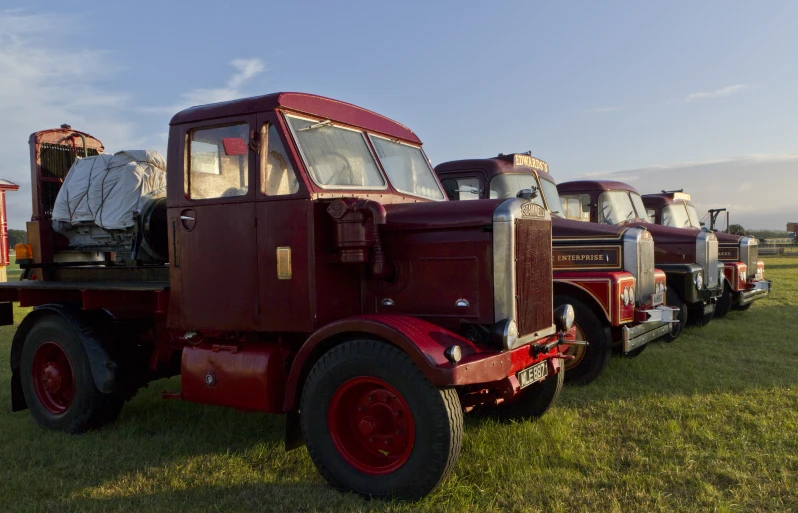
column 737, row 229
column 16, row 237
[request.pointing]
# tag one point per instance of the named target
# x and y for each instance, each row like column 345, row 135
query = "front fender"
column 424, row 343
column 103, row 368
column 681, row 278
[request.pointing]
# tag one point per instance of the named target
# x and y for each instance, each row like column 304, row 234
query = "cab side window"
column 462, row 188
column 218, row 162
column 277, row 175
column 576, row 207
column 651, row 213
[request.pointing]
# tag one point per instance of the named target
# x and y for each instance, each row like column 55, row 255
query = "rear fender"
column 103, row 368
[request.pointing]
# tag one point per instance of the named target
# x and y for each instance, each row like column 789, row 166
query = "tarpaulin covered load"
column 108, row 189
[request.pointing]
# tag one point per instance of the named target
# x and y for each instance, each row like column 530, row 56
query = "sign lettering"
column 529, row 161
column 587, row 258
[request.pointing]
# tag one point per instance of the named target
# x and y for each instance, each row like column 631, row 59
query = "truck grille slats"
column 533, row 275
column 712, row 263
column 55, row 160
column 645, row 271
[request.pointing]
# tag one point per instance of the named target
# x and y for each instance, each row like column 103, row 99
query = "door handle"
column 187, row 218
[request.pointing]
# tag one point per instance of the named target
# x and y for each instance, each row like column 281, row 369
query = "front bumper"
column 761, row 290
column 642, row 334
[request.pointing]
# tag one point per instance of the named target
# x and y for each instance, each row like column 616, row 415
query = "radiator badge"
column 532, row 210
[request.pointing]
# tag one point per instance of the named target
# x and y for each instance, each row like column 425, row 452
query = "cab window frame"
column 281, row 127
column 251, row 159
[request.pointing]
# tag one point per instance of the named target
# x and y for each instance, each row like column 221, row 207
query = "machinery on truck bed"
column 310, row 265
column 689, row 259
column 737, row 253
column 606, row 273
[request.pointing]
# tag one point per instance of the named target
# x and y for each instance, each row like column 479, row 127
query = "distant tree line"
column 16, row 237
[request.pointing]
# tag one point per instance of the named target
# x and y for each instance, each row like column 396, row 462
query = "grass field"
column 708, row 423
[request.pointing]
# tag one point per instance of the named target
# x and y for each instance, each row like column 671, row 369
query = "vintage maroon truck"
column 605, row 272
column 689, row 259
column 301, row 260
column 737, row 253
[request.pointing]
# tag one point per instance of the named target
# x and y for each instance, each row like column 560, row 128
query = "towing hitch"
column 538, row 349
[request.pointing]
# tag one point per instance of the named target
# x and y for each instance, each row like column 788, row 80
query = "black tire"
column 743, row 308
column 435, row 412
column 675, row 300
column 533, row 401
column 594, row 358
column 697, row 317
column 634, row 352
column 89, row 408
column 724, row 304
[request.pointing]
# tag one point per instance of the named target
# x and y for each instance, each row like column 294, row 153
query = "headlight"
column 631, row 295
column 699, row 281
column 504, row 333
column 660, row 287
column 625, row 296
column 743, row 276
column 564, row 317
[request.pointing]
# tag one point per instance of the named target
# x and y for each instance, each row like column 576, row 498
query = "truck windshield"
column 552, row 198
column 615, row 207
column 676, row 215
column 693, row 215
column 509, row 185
column 637, row 201
column 407, row 168
column 336, row 157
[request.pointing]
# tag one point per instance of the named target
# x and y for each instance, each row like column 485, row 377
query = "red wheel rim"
column 371, row 425
column 53, row 379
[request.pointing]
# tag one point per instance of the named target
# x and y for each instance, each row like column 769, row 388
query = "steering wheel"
column 345, row 168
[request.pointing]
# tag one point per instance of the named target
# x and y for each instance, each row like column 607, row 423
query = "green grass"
column 707, row 423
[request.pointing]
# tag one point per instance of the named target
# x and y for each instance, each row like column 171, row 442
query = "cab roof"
column 665, row 198
column 593, row 185
column 311, row 104
column 521, row 163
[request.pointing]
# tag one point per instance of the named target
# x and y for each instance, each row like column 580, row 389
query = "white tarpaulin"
column 108, row 189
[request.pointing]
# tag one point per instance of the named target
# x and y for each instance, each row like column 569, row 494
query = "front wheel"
column 591, row 360
column 724, row 304
column 375, row 426
column 673, row 299
column 533, row 401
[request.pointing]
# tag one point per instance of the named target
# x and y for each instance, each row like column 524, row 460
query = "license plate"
column 532, row 374
column 657, row 298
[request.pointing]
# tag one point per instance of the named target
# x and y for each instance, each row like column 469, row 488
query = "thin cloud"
column 718, row 93
column 246, row 69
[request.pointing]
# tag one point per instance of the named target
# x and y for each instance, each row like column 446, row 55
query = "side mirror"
column 234, row 146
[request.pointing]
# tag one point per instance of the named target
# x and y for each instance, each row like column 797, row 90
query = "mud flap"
column 293, row 431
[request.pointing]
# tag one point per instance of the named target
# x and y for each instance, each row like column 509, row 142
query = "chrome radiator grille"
column 533, row 275
column 645, row 270
column 711, row 267
column 753, row 256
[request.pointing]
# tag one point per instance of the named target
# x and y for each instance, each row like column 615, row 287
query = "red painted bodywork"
column 728, row 243
column 601, row 285
column 5, row 186
column 248, row 335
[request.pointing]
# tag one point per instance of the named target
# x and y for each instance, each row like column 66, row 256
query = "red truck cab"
column 689, row 259
column 607, row 273
column 304, row 260
column 738, row 253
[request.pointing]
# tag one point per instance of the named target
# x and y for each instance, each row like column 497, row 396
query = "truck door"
column 216, row 228
column 285, row 230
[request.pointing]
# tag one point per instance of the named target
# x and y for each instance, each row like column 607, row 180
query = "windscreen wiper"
column 316, row 125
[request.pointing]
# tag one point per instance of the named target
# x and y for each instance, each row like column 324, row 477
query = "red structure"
column 5, row 185
column 606, row 273
column 309, row 265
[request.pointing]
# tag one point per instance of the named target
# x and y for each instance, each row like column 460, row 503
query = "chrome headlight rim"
column 625, row 296
column 564, row 317
column 699, row 280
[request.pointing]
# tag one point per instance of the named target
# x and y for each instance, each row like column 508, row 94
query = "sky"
column 693, row 95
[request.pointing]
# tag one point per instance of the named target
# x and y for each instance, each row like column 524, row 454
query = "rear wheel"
column 57, row 381
column 375, row 426
column 591, row 360
column 724, row 304
column 673, row 299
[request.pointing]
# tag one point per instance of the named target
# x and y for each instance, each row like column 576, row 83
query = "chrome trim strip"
column 706, row 253
column 527, row 339
column 642, row 334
